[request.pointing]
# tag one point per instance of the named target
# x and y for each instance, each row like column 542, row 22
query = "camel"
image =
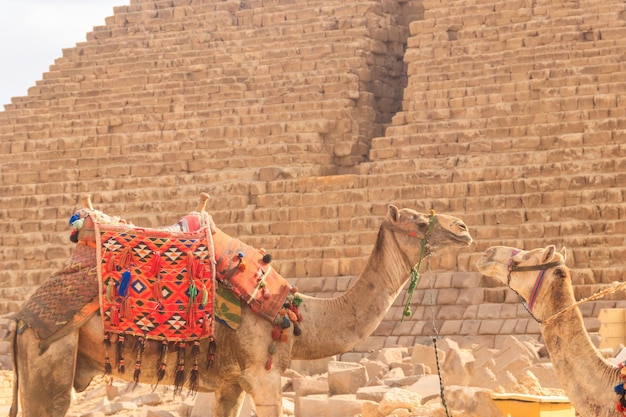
column 543, row 283
column 44, row 381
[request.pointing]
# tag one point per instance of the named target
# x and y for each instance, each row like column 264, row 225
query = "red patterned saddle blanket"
column 158, row 284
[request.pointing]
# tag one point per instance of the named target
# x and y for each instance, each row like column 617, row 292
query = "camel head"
column 412, row 229
column 527, row 273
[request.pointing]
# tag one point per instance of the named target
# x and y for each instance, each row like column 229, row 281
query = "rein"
column 415, row 270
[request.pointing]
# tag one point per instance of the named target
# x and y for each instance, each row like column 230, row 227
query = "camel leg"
column 45, row 380
column 265, row 389
column 229, row 400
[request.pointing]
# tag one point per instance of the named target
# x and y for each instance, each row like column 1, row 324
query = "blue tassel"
column 619, row 389
column 124, row 283
column 75, row 217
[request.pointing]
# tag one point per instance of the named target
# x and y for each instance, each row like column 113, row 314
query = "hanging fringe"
column 162, row 363
column 107, row 362
column 179, row 376
column 194, row 375
column 140, row 346
column 210, row 358
column 120, row 354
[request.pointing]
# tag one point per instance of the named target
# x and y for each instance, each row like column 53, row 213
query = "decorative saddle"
column 157, row 284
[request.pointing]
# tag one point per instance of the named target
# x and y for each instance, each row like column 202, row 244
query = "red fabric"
column 164, row 268
column 245, row 280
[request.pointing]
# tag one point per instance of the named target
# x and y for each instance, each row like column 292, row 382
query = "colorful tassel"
column 179, row 375
column 155, row 267
column 200, row 270
column 124, row 283
column 191, row 265
column 269, row 364
column 120, row 354
column 140, row 346
column 107, row 362
column 126, row 258
column 162, row 362
column 211, row 352
column 110, row 291
column 157, row 289
column 205, row 296
column 191, row 318
column 127, row 311
column 115, row 316
column 207, row 324
column 194, row 375
column 110, row 263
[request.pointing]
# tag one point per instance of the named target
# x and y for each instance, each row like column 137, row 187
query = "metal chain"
column 435, row 336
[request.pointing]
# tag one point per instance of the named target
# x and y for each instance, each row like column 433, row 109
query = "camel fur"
column 587, row 378
column 43, row 382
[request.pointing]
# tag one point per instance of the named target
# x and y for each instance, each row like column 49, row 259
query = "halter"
column 542, row 268
column 415, row 270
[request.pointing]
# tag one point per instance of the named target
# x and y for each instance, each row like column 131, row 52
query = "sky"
column 33, row 33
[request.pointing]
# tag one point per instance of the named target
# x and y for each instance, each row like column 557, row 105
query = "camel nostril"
column 461, row 226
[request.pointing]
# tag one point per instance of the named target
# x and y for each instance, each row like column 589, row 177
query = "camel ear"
column 548, row 254
column 393, row 213
column 564, row 253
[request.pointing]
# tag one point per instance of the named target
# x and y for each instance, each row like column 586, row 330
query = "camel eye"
column 422, row 225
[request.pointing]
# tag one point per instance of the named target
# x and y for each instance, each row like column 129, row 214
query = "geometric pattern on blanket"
column 154, row 283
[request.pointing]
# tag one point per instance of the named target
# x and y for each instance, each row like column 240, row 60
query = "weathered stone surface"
column 397, row 398
column 375, row 369
column 426, row 355
column 427, row 388
column 308, row 386
column 375, row 393
column 345, row 377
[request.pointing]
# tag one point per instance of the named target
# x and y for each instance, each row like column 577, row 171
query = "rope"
column 415, row 270
column 434, row 338
column 617, row 287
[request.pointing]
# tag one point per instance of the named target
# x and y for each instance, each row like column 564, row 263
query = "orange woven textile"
column 157, row 284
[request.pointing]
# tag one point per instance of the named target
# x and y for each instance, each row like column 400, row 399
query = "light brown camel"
column 544, row 285
column 329, row 326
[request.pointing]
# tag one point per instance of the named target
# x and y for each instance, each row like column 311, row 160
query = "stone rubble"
column 391, row 382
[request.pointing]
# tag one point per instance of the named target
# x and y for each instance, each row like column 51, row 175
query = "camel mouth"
column 462, row 240
column 455, row 240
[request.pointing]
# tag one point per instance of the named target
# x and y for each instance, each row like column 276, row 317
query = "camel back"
column 154, row 268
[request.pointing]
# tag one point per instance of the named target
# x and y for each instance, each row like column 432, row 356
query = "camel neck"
column 342, row 322
column 587, row 378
